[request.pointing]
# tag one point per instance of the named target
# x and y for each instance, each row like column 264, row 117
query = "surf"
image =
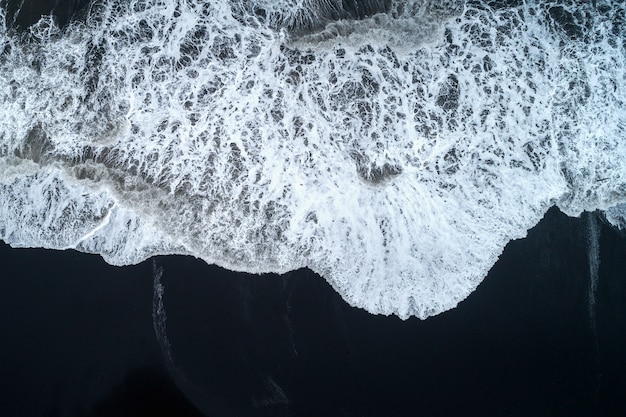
column 394, row 149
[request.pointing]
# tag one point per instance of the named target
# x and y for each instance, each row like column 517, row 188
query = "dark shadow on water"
column 145, row 393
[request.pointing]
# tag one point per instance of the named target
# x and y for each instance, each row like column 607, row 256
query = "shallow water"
column 83, row 339
column 394, row 154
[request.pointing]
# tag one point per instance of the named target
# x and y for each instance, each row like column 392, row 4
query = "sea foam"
column 394, row 151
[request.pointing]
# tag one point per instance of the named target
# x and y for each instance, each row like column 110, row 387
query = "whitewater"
column 393, row 147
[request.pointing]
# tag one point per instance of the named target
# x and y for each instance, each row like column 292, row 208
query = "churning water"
column 394, row 147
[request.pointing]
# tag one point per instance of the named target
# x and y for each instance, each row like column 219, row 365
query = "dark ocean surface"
column 79, row 337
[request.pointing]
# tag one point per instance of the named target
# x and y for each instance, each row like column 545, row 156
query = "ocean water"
column 543, row 335
column 392, row 147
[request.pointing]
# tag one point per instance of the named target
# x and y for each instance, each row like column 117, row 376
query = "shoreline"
column 289, row 345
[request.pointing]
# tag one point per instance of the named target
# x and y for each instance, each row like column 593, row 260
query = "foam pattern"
column 393, row 147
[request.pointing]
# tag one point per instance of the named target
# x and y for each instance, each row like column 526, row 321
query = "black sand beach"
column 79, row 339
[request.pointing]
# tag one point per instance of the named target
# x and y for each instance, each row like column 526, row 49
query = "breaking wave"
column 393, row 147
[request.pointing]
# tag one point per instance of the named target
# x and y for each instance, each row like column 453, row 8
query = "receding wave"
column 394, row 147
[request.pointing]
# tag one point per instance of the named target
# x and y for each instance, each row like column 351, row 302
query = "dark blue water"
column 544, row 334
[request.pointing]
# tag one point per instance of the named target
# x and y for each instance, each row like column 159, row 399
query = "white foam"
column 396, row 161
column 616, row 215
column 593, row 241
